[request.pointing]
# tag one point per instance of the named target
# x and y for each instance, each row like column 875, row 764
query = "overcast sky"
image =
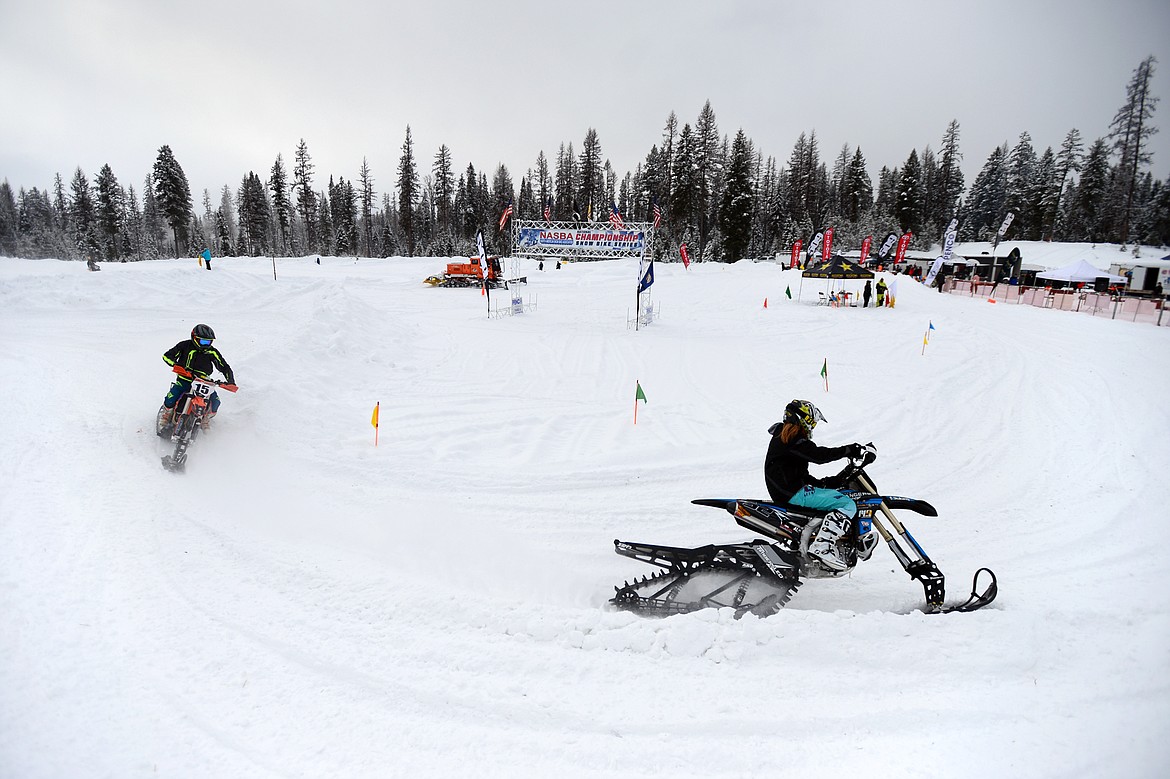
column 229, row 85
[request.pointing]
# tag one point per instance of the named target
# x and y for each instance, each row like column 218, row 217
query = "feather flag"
column 865, row 249
column 682, row 251
column 887, row 244
column 483, row 268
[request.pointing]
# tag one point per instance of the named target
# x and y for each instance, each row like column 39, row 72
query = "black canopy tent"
column 837, row 268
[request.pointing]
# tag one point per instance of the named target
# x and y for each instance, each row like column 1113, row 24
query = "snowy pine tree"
column 408, row 193
column 908, row 201
column 735, row 212
column 173, row 196
column 306, row 198
column 281, row 206
column 82, row 216
column 1089, row 214
column 986, row 203
column 109, row 213
column 1130, row 133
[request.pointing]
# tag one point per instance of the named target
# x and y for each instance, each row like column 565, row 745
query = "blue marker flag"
column 647, row 277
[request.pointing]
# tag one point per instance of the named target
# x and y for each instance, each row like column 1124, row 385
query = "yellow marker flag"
column 374, row 418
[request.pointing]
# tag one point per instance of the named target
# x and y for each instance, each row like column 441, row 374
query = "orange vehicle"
column 469, row 274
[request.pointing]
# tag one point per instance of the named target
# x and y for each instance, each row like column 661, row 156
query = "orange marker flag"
column 374, row 421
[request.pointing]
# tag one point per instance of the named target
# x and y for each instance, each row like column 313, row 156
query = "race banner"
column 887, row 244
column 828, row 250
column 903, row 242
column 814, row 246
column 592, row 237
column 935, row 267
column 948, row 245
column 795, row 254
column 865, row 249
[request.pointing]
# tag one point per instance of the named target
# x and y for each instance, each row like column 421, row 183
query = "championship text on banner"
column 591, row 238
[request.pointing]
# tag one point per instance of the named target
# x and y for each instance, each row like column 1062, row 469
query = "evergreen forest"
column 717, row 192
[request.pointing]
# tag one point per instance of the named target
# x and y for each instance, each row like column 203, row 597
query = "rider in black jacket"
column 200, row 357
column 789, row 482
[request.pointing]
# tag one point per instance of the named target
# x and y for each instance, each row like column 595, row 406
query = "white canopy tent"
column 1079, row 271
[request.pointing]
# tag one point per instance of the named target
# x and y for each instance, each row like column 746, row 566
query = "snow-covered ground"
column 301, row 603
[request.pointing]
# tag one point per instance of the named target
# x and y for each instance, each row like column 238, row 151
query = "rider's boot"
column 866, row 543
column 867, row 539
column 166, row 417
column 823, row 547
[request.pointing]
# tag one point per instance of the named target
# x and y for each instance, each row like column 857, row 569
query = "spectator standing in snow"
column 866, row 294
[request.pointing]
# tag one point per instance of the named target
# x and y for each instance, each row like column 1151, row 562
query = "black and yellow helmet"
column 805, row 414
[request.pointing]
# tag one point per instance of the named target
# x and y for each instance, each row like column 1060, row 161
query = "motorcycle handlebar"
column 187, row 374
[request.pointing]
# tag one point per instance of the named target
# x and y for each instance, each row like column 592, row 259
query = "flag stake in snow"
column 825, row 373
column 638, row 395
column 374, row 421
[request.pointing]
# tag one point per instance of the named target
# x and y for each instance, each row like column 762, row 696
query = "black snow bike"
column 760, row 577
column 187, row 420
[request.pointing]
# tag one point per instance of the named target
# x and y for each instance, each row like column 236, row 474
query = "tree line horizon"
column 719, row 195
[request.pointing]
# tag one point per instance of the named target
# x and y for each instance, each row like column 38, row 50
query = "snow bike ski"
column 188, row 419
column 760, row 577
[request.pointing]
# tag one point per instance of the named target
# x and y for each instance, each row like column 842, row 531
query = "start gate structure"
column 581, row 240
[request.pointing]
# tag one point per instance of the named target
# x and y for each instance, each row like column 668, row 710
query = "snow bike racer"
column 789, row 482
column 200, row 357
